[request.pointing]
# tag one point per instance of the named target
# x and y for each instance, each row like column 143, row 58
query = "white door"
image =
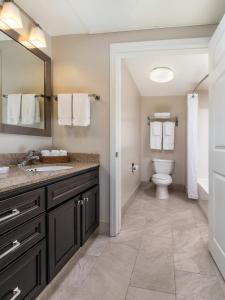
column 217, row 147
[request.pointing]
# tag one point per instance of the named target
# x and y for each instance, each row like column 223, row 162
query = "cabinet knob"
column 78, row 202
column 87, row 199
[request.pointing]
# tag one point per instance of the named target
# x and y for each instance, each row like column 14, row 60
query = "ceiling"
column 61, row 17
column 188, row 69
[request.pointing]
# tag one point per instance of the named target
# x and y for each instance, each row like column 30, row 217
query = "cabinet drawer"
column 26, row 277
column 17, row 241
column 18, row 209
column 66, row 189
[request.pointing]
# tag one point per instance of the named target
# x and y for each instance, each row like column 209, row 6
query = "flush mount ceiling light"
column 161, row 74
column 37, row 37
column 10, row 15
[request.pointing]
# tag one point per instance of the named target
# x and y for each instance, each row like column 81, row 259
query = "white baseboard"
column 130, row 200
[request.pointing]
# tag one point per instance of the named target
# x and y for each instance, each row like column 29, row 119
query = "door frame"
column 118, row 52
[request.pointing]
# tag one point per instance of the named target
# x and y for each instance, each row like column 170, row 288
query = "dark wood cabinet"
column 90, row 212
column 26, row 277
column 15, row 242
column 41, row 227
column 63, row 190
column 63, row 234
column 21, row 208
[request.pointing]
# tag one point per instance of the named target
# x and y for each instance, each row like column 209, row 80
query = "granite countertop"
column 19, row 177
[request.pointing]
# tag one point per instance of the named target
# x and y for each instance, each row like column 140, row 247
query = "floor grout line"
column 138, row 251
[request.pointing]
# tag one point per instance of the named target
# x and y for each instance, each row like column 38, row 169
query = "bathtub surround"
column 203, row 195
column 177, row 106
column 131, row 139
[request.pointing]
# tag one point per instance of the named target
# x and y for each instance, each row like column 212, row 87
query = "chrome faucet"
column 32, row 155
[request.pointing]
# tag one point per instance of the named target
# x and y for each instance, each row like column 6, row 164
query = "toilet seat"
column 161, row 176
column 162, row 179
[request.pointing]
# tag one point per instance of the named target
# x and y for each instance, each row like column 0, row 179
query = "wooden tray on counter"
column 54, row 159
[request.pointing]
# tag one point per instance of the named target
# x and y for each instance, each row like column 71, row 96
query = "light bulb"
column 10, row 15
column 37, row 37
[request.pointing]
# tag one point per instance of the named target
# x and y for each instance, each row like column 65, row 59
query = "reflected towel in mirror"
column 13, row 105
column 30, row 112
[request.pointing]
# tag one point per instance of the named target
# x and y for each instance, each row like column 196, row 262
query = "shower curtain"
column 192, row 145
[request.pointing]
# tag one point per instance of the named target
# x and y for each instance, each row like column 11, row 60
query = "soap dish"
column 4, row 170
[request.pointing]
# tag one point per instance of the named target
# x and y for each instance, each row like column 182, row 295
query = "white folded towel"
column 13, row 108
column 81, row 110
column 65, row 109
column 162, row 115
column 168, row 135
column 156, row 135
column 30, row 113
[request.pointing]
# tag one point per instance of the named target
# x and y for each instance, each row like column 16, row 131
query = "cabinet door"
column 90, row 212
column 63, row 235
column 25, row 278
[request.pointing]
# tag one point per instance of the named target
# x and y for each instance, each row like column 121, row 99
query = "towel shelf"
column 172, row 119
column 96, row 97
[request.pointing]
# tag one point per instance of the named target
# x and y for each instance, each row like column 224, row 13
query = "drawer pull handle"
column 16, row 293
column 16, row 244
column 14, row 213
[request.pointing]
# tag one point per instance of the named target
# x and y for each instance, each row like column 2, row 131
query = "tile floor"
column 161, row 254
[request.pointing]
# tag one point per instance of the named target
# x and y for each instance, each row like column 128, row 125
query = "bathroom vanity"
column 43, row 222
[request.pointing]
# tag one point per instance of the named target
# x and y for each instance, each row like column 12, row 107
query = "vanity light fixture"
column 10, row 15
column 161, row 74
column 37, row 37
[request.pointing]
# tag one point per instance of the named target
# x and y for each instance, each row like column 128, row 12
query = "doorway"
column 119, row 52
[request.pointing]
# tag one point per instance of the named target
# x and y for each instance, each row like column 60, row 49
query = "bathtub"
column 203, row 193
column 203, row 188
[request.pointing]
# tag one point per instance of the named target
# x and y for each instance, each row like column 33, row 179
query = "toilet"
column 163, row 169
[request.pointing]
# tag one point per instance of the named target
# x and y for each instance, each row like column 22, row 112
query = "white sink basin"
column 49, row 169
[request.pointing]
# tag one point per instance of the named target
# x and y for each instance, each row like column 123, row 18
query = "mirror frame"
column 13, row 129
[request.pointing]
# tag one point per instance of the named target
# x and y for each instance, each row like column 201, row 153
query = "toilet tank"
column 163, row 166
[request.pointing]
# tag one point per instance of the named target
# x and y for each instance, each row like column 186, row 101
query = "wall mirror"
column 25, row 88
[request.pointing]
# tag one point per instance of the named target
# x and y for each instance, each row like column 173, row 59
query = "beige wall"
column 131, row 140
column 19, row 143
column 203, row 135
column 177, row 106
column 81, row 64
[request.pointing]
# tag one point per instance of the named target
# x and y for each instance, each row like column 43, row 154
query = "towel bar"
column 96, row 97
column 36, row 96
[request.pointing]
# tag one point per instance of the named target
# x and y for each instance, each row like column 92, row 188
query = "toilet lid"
column 162, row 176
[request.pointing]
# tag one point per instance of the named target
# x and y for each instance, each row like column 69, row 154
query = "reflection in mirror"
column 21, row 85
